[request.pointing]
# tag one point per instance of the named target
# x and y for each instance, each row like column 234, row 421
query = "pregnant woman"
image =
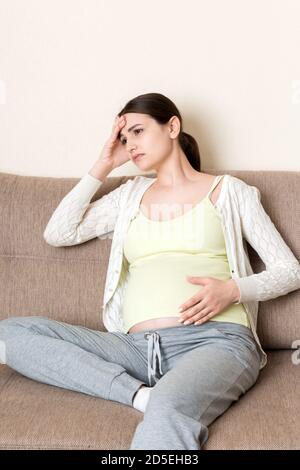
column 178, row 241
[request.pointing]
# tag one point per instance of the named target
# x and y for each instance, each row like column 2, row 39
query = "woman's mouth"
column 139, row 157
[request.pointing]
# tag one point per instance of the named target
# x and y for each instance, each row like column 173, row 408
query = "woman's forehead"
column 130, row 117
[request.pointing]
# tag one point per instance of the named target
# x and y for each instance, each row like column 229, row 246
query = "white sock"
column 141, row 398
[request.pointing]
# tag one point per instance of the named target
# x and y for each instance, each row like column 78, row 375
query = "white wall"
column 68, row 66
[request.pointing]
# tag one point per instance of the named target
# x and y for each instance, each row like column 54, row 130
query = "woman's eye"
column 135, row 130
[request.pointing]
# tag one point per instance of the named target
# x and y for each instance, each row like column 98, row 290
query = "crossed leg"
column 199, row 388
column 74, row 357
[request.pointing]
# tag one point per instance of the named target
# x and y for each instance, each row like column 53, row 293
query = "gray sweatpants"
column 197, row 370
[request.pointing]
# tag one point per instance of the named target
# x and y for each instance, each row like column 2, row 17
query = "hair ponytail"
column 191, row 149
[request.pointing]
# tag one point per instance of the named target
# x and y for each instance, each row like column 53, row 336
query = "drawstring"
column 153, row 355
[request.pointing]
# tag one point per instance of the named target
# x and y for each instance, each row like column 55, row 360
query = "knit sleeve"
column 282, row 273
column 76, row 220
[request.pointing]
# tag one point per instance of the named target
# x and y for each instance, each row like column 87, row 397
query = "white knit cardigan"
column 243, row 218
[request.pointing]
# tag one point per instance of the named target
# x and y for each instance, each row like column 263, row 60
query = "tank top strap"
column 216, row 181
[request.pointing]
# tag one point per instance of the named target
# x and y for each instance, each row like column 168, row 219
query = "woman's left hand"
column 213, row 298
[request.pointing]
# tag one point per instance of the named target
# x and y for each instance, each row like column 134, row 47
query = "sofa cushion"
column 35, row 415
column 267, row 416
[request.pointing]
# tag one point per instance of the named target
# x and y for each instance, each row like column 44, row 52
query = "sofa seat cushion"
column 35, row 416
column 267, row 416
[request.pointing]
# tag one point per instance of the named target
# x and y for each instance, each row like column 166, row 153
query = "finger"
column 189, row 303
column 204, row 319
column 194, row 302
column 119, row 122
column 116, row 129
column 197, row 315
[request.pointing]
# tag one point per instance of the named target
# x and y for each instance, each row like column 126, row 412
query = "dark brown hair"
column 161, row 108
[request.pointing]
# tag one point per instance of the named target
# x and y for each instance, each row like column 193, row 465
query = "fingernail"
column 180, row 320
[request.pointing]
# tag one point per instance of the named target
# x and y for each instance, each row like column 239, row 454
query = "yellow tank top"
column 161, row 254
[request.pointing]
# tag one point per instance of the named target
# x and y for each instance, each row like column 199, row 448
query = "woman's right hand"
column 114, row 153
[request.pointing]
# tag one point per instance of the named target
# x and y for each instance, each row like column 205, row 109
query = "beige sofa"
column 67, row 284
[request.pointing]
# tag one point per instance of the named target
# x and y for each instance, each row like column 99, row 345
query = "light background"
column 68, row 66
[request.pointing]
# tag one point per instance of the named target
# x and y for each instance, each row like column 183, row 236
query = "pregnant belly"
column 147, row 292
column 164, row 322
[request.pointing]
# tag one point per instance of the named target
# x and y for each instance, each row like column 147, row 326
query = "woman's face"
column 147, row 137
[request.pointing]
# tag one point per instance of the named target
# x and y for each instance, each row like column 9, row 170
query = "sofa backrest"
column 67, row 283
